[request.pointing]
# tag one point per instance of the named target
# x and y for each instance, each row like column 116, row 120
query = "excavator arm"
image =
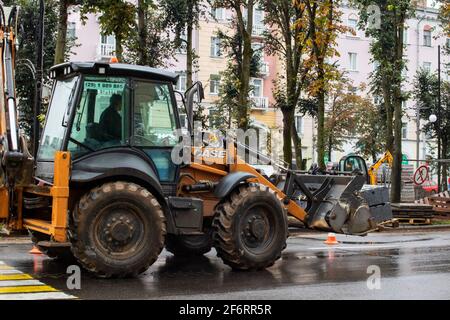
column 387, row 158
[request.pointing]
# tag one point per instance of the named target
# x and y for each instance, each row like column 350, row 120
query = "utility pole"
column 439, row 119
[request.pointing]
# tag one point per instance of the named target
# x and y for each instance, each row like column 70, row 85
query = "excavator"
column 354, row 163
column 103, row 187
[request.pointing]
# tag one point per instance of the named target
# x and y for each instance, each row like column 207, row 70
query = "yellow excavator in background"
column 104, row 185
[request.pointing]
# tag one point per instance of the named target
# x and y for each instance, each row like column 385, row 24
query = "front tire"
column 118, row 230
column 250, row 228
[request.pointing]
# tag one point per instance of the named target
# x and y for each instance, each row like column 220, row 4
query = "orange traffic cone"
column 35, row 250
column 331, row 239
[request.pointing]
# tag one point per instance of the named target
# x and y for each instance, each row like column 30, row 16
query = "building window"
column 352, row 61
column 353, row 25
column 404, row 130
column 375, row 65
column 427, row 38
column 181, row 84
column 215, row 47
column 299, row 125
column 427, row 66
column 107, row 45
column 257, row 90
column 182, row 49
column 405, row 35
column 258, row 22
column 218, row 13
column 352, row 90
column 214, row 83
column 71, row 31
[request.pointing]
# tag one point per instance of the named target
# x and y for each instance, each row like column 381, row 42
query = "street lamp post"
column 439, row 120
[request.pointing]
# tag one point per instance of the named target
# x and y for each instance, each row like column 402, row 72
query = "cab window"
column 154, row 120
column 100, row 118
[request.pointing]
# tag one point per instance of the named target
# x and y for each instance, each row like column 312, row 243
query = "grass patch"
column 441, row 222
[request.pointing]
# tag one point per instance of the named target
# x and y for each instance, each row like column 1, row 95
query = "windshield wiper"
column 80, row 144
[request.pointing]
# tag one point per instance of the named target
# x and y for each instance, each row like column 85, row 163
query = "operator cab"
column 353, row 164
column 107, row 111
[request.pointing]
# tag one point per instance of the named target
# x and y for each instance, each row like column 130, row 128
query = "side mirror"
column 193, row 94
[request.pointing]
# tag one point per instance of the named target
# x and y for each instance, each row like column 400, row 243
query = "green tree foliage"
column 28, row 19
column 62, row 42
column 243, row 24
column 287, row 37
column 340, row 115
column 229, row 107
column 150, row 41
column 387, row 49
column 324, row 25
column 116, row 17
column 182, row 16
column 426, row 86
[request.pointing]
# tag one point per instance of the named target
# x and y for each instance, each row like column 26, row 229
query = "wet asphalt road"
column 411, row 265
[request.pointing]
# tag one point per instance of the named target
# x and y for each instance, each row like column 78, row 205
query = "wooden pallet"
column 440, row 203
column 414, row 221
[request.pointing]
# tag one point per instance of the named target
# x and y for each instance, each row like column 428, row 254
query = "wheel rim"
column 257, row 228
column 119, row 230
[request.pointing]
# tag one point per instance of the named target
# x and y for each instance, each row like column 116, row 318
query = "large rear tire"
column 250, row 228
column 118, row 230
column 195, row 245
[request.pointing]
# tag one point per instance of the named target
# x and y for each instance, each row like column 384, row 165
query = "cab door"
column 154, row 126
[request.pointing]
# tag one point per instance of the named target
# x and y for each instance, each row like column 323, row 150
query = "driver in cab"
column 111, row 120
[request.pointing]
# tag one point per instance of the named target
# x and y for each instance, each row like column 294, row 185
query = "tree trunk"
column 142, row 31
column 245, row 72
column 189, row 57
column 389, row 115
column 330, row 145
column 119, row 48
column 189, row 47
column 61, row 39
column 396, row 175
column 298, row 147
column 288, row 120
column 444, row 165
column 321, row 117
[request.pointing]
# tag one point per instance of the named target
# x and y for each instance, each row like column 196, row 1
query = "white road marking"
column 353, row 248
column 37, row 296
column 11, row 271
column 20, row 283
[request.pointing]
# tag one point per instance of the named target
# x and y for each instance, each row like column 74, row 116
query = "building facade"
column 355, row 59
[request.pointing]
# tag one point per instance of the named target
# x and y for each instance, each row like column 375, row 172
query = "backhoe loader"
column 103, row 185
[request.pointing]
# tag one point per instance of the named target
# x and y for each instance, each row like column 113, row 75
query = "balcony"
column 258, row 30
column 106, row 50
column 260, row 103
column 264, row 69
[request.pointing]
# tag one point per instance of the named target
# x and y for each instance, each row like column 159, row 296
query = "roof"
column 113, row 69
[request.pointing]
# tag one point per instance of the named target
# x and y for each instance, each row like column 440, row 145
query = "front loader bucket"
column 335, row 203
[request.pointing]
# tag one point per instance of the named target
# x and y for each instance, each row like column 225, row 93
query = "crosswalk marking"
column 20, row 283
column 37, row 296
column 3, row 267
column 16, row 285
column 10, row 271
column 26, row 289
column 15, row 277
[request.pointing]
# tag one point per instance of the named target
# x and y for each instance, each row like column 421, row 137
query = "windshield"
column 101, row 116
column 55, row 126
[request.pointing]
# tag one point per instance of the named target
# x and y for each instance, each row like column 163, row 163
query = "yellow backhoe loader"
column 104, row 187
